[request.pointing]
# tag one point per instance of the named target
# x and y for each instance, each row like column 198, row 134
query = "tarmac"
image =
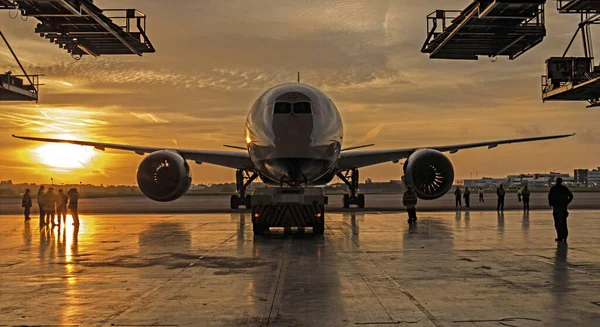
column 369, row 269
column 374, row 202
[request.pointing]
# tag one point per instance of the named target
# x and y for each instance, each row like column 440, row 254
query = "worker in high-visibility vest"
column 410, row 202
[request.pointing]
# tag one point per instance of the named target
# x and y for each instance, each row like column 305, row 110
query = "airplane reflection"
column 164, row 237
column 240, row 218
column 352, row 220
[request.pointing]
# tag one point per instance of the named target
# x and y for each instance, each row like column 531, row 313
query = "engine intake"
column 430, row 173
column 164, row 176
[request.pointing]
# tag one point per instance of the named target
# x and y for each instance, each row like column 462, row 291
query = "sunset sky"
column 214, row 58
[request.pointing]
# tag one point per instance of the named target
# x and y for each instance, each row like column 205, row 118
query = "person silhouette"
column 409, row 199
column 26, row 204
column 501, row 193
column 457, row 195
column 559, row 199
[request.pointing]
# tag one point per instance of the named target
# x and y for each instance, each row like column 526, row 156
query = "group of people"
column 51, row 205
column 559, row 198
column 523, row 195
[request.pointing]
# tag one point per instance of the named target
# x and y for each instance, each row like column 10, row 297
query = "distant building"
column 594, row 177
column 546, row 180
column 485, row 182
column 520, row 180
column 580, row 176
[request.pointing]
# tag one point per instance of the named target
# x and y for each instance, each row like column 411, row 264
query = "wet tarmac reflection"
column 368, row 269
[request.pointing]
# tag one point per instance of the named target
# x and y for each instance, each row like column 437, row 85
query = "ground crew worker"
column 525, row 195
column 73, row 201
column 409, row 200
column 26, row 204
column 481, row 194
column 457, row 196
column 501, row 193
column 40, row 201
column 467, row 196
column 50, row 206
column 519, row 192
column 559, row 198
column 61, row 206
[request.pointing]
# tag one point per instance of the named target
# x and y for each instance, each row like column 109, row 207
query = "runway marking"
column 135, row 302
column 412, row 299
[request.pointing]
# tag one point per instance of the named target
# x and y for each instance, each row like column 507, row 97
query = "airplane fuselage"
column 294, row 135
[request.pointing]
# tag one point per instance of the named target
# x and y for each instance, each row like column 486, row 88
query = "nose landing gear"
column 243, row 178
column 350, row 177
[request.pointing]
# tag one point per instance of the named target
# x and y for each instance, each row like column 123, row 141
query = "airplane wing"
column 236, row 160
column 358, row 159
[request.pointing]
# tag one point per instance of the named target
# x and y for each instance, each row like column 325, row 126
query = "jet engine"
column 429, row 172
column 164, row 176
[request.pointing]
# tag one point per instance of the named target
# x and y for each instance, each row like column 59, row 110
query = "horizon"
column 335, row 181
column 364, row 55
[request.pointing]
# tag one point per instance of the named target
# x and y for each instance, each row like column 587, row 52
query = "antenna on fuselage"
column 298, row 77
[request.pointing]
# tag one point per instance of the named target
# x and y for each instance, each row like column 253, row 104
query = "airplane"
column 294, row 137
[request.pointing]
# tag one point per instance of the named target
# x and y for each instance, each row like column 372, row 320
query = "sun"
column 60, row 155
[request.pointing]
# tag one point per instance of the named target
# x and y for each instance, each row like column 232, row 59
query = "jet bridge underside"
column 485, row 28
column 81, row 28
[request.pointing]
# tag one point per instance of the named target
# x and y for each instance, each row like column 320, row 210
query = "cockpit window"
column 302, row 108
column 282, row 108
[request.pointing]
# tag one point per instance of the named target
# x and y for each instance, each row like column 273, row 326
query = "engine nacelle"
column 429, row 172
column 164, row 176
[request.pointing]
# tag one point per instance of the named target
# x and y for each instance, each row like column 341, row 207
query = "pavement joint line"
column 277, row 292
column 161, row 285
column 386, row 323
column 360, row 273
column 549, row 261
column 501, row 321
column 414, row 300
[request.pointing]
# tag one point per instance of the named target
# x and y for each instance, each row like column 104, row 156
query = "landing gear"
column 350, row 177
column 259, row 228
column 243, row 178
column 319, row 228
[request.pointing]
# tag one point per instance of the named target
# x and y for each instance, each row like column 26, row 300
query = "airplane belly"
column 303, row 165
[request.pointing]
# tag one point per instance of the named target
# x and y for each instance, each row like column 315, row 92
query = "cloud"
column 529, row 130
column 364, row 54
column 147, row 117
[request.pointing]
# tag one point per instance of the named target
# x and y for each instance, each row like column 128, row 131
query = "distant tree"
column 368, row 181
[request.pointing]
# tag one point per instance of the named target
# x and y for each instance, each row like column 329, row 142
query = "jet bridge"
column 485, row 28
column 578, row 6
column 13, row 87
column 81, row 28
column 575, row 78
